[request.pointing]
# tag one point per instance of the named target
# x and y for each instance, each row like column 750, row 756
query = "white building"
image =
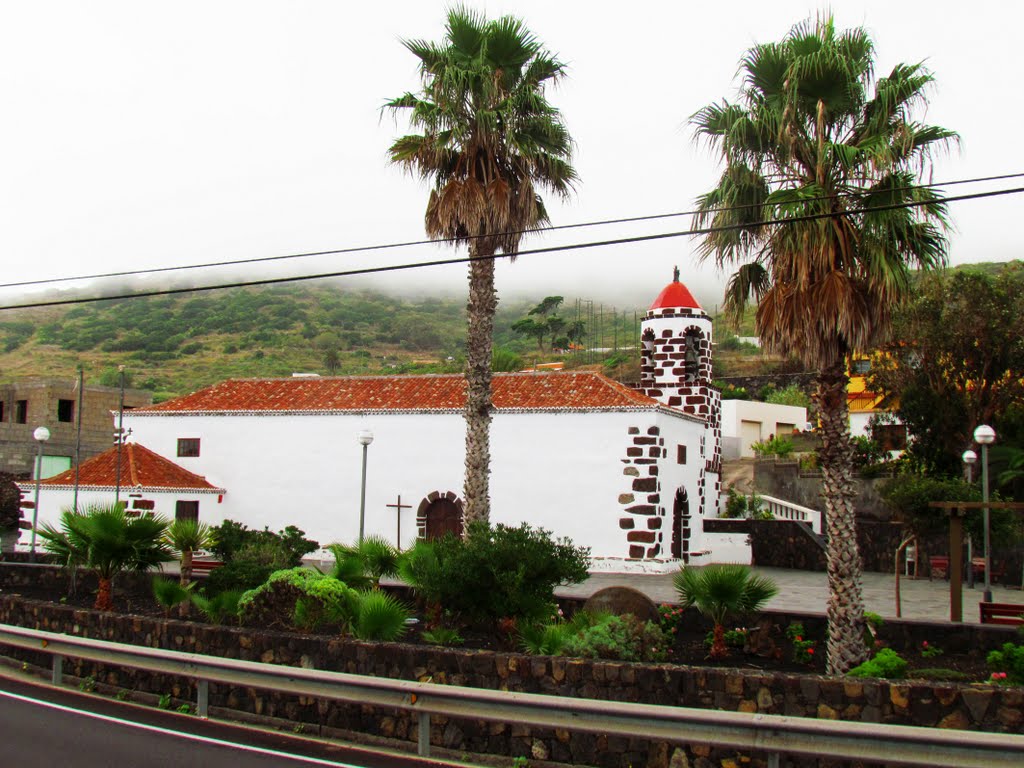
column 745, row 422
column 630, row 474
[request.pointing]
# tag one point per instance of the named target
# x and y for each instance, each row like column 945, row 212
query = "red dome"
column 675, row 295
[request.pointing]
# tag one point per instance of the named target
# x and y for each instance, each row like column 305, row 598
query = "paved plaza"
column 807, row 591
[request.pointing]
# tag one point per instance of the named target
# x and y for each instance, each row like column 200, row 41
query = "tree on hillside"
column 531, row 329
column 956, row 360
column 813, row 133
column 488, row 139
column 548, row 306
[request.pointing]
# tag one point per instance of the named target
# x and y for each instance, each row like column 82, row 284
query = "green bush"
column 379, row 616
column 299, row 597
column 442, row 636
column 251, row 556
column 622, row 638
column 1010, row 661
column 495, row 573
column 886, row 663
column 169, row 593
column 775, row 446
column 791, row 395
column 220, row 607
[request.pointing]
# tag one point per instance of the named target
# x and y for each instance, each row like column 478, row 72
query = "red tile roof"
column 511, row 391
column 675, row 295
column 140, row 467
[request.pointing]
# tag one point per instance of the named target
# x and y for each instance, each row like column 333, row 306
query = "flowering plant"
column 930, row 651
column 671, row 619
column 803, row 650
column 998, row 678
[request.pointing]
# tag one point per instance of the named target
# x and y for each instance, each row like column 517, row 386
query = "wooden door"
column 441, row 517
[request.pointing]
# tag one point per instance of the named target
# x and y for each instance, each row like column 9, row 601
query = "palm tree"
column 185, row 537
column 488, row 139
column 110, row 542
column 721, row 591
column 830, row 156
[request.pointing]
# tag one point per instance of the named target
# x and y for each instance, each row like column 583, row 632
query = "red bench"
column 1001, row 613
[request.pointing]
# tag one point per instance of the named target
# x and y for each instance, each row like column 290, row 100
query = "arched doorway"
column 681, row 527
column 438, row 514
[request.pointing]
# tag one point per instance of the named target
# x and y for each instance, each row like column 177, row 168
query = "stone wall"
column 784, row 480
column 917, row 703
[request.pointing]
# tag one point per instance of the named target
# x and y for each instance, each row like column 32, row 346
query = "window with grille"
column 188, row 446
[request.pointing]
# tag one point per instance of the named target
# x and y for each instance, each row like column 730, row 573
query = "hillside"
column 176, row 344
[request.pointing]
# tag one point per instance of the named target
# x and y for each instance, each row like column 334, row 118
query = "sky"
column 145, row 134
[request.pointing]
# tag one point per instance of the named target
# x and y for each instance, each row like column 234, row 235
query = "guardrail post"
column 57, row 675
column 203, row 698
column 423, row 746
column 774, row 760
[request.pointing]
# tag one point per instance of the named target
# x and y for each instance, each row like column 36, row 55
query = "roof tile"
column 140, row 467
column 511, row 391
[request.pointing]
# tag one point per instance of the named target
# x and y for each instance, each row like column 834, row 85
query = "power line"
column 409, row 243
column 533, row 251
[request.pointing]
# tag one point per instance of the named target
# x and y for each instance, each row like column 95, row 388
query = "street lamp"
column 365, row 437
column 41, row 435
column 984, row 436
column 969, row 457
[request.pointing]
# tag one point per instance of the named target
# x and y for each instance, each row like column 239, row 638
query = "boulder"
column 622, row 600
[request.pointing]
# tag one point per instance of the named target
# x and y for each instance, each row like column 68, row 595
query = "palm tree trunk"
column 185, row 579
column 846, row 647
column 719, row 650
column 186, row 567
column 105, row 595
column 480, row 311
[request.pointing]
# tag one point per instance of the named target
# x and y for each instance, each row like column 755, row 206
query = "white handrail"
column 774, row 734
column 787, row 510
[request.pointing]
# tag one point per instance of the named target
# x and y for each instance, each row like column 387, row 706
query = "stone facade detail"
column 643, row 514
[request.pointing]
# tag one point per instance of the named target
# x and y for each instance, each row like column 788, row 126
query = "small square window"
column 21, row 411
column 188, row 446
column 66, row 410
column 3, row 416
column 186, row 510
column 680, row 454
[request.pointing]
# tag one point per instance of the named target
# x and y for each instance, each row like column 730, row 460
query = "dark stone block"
column 622, row 600
column 646, row 537
column 626, row 523
column 645, row 484
column 636, row 552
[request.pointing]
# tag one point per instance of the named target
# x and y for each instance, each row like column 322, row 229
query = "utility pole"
column 78, row 432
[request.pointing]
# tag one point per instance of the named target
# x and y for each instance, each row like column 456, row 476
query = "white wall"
column 562, row 471
column 769, row 415
column 859, row 424
column 53, row 502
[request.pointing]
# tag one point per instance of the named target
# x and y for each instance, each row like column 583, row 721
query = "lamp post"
column 969, row 457
column 365, row 437
column 984, row 436
column 41, row 435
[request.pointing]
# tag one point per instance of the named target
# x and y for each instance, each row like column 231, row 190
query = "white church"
column 630, row 473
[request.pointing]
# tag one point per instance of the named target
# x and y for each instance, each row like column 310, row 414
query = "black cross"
column 398, row 507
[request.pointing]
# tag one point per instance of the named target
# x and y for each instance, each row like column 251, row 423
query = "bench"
column 1002, row 613
column 938, row 567
column 978, row 565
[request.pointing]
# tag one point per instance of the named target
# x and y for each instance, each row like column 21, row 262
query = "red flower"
column 799, row 639
column 810, row 651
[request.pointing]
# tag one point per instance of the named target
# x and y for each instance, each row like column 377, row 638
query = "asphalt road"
column 46, row 727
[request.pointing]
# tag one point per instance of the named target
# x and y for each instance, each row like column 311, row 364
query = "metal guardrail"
column 772, row 734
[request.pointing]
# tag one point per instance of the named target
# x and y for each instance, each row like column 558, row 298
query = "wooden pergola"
column 956, row 511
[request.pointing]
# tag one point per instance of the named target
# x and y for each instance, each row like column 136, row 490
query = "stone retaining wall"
column 978, row 707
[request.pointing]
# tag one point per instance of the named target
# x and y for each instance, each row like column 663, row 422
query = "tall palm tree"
column 720, row 591
column 814, row 134
column 108, row 541
column 487, row 138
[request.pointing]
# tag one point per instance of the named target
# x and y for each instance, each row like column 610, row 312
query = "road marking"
column 179, row 734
